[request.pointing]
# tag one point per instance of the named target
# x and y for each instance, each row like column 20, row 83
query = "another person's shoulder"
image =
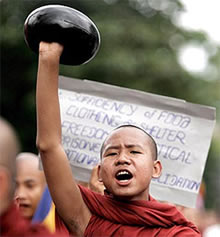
column 13, row 224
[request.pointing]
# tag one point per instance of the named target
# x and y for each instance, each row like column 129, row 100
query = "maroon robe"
column 13, row 224
column 112, row 217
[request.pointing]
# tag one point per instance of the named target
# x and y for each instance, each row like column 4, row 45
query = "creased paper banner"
column 182, row 130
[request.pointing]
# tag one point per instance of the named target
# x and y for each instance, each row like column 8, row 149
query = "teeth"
column 122, row 173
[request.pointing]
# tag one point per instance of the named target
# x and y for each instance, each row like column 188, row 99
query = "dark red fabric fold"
column 112, row 217
column 12, row 224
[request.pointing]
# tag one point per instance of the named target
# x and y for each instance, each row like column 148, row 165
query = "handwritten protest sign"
column 182, row 130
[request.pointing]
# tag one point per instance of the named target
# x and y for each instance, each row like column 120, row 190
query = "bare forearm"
column 48, row 112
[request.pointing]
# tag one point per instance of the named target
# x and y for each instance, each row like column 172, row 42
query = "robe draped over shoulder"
column 111, row 217
column 13, row 224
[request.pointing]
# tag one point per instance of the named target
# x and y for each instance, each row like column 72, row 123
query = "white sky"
column 202, row 15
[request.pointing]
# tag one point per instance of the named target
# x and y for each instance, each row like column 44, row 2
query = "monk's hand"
column 50, row 51
column 95, row 184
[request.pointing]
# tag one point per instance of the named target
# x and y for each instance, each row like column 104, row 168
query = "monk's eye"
column 112, row 154
column 135, row 152
column 30, row 185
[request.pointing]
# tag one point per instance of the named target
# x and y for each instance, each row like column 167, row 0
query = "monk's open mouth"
column 123, row 175
column 24, row 206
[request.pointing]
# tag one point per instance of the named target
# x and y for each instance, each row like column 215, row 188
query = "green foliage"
column 139, row 50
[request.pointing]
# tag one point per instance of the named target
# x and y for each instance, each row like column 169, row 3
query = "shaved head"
column 27, row 156
column 9, row 147
column 28, row 159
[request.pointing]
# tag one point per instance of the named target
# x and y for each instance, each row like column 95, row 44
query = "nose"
column 122, row 159
column 20, row 194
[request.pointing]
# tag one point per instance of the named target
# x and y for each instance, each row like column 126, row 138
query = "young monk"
column 11, row 221
column 128, row 163
column 32, row 196
column 30, row 183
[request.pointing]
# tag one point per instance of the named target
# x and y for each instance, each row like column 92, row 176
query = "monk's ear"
column 99, row 175
column 157, row 169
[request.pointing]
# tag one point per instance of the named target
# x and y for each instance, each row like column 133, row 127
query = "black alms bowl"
column 67, row 26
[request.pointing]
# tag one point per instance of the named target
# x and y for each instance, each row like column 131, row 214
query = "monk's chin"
column 130, row 194
column 124, row 196
column 25, row 213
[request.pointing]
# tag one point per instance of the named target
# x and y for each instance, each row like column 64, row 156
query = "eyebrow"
column 29, row 180
column 26, row 181
column 110, row 147
column 133, row 145
column 126, row 145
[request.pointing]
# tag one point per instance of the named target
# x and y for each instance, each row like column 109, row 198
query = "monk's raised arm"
column 64, row 190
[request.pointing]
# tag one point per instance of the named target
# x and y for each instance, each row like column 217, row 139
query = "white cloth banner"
column 182, row 131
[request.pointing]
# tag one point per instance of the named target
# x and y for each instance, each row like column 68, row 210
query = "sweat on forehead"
column 129, row 126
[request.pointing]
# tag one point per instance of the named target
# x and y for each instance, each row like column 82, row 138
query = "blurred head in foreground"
column 9, row 148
